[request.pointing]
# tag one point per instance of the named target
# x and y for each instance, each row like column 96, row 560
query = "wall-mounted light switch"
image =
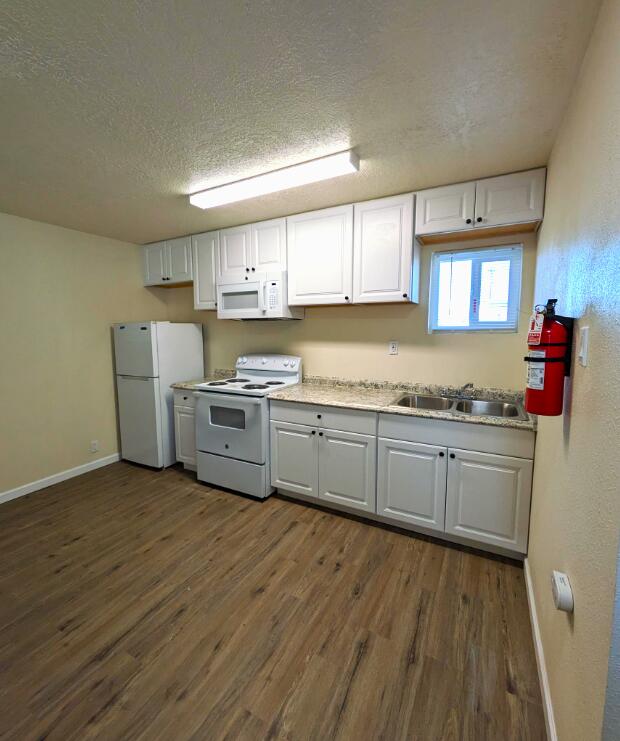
column 393, row 347
column 584, row 335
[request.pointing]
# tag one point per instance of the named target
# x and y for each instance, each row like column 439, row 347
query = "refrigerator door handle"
column 138, row 378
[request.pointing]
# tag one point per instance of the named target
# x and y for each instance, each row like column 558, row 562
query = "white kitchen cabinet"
column 179, row 260
column 234, row 254
column 385, row 258
column 488, row 498
column 510, row 199
column 320, row 257
column 446, row 209
column 185, row 435
column 294, row 458
column 268, row 246
column 411, row 482
column 347, row 469
column 167, row 263
column 505, row 204
column 204, row 253
column 155, row 259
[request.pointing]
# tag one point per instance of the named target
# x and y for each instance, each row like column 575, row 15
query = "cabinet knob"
column 318, row 416
column 320, row 434
column 404, row 295
column 441, row 455
column 253, row 269
column 247, row 270
column 314, row 432
column 185, row 398
column 468, row 221
column 479, row 219
column 246, row 277
column 346, row 298
column 452, row 455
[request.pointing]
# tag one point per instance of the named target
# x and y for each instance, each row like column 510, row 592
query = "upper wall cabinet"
column 168, row 263
column 385, row 259
column 204, row 253
column 320, row 257
column 251, row 248
column 446, row 209
column 505, row 204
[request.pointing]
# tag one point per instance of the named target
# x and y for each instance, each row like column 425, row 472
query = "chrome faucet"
column 468, row 386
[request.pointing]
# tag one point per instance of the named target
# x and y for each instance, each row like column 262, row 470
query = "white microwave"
column 263, row 296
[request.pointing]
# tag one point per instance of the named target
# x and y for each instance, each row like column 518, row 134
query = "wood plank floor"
column 143, row 605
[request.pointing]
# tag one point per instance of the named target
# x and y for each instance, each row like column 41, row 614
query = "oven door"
column 232, row 426
column 241, row 300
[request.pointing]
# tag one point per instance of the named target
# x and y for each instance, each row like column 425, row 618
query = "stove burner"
column 217, row 383
column 240, row 380
column 254, row 386
column 274, row 383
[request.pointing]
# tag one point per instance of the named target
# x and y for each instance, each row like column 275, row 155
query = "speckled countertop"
column 380, row 396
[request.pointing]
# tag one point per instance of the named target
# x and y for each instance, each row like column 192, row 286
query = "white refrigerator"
column 149, row 357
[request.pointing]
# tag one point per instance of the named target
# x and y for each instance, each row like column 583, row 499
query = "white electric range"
column 232, row 423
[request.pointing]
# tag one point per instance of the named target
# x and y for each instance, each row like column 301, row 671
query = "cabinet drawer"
column 184, row 398
column 334, row 418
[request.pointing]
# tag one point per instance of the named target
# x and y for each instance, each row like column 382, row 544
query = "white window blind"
column 476, row 289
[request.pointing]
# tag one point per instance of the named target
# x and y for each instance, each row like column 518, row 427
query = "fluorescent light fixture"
column 323, row 168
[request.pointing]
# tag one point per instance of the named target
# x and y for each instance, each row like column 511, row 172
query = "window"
column 475, row 289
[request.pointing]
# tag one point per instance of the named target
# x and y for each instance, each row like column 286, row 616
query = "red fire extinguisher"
column 549, row 343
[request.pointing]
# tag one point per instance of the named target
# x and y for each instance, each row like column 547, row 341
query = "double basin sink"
column 457, row 405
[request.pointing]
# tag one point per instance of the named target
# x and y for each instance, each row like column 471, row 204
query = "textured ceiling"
column 112, row 111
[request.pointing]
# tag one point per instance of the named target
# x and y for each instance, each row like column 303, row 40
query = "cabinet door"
column 383, row 250
column 320, row 257
column 155, row 264
column 510, row 199
column 234, row 255
column 347, row 469
column 294, row 458
column 411, row 482
column 488, row 498
column 185, row 435
column 204, row 253
column 446, row 209
column 179, row 260
column 269, row 245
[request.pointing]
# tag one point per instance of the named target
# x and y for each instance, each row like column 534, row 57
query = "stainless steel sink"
column 486, row 408
column 421, row 401
column 457, row 405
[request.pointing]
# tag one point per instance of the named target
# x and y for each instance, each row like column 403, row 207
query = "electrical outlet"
column 94, row 446
column 393, row 347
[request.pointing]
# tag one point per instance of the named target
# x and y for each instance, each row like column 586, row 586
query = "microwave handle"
column 261, row 296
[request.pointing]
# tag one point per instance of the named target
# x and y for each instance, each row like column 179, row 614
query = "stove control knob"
column 264, row 361
column 285, row 363
column 243, row 360
column 292, row 363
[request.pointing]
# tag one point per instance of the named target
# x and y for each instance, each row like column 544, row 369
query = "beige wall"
column 576, row 500
column 351, row 341
column 60, row 290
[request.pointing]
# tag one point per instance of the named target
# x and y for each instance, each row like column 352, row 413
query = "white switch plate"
column 584, row 336
column 393, row 347
column 94, row 446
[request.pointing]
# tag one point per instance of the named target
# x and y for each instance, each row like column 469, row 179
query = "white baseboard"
column 552, row 734
column 56, row 478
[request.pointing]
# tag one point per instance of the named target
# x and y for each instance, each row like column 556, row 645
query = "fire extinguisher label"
column 536, row 371
column 535, row 331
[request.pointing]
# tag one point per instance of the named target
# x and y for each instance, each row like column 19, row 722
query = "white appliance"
column 263, row 296
column 149, row 357
column 232, row 423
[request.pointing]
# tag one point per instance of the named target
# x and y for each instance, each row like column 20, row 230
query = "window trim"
column 514, row 288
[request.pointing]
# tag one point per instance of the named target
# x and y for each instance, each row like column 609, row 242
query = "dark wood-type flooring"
column 143, row 605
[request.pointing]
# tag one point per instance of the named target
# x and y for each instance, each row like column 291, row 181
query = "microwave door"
column 241, row 300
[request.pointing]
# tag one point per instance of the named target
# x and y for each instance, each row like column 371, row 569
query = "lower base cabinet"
column 334, row 466
column 411, row 483
column 185, row 432
column 488, row 498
